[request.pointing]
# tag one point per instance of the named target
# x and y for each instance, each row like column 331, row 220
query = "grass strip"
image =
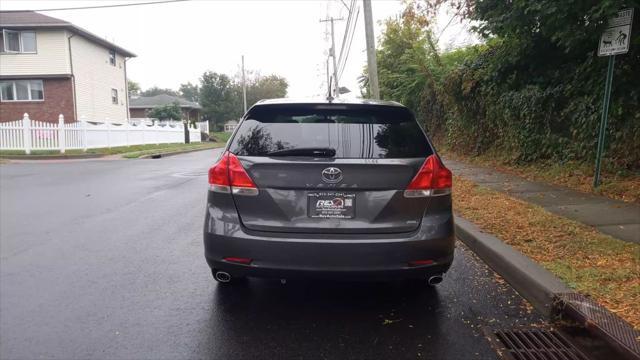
column 590, row 262
column 137, row 154
column 116, row 150
column 220, row 136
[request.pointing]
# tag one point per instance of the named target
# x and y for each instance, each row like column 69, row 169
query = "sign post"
column 614, row 40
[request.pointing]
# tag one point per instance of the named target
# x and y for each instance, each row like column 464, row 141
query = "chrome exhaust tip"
column 435, row 280
column 222, row 276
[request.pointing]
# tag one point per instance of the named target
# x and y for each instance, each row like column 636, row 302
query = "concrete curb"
column 52, row 157
column 167, row 154
column 96, row 156
column 534, row 283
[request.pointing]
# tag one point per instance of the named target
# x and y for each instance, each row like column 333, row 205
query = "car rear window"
column 353, row 131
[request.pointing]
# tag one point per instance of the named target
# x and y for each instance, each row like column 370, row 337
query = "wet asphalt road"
column 104, row 259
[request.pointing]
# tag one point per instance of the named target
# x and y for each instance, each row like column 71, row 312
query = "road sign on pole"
column 614, row 41
column 616, row 37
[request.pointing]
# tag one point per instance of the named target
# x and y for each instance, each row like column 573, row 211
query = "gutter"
column 73, row 79
column 548, row 294
column 126, row 89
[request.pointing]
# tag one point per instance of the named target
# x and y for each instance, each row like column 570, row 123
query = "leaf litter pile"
column 590, row 262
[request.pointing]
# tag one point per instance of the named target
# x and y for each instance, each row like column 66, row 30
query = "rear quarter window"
column 353, row 131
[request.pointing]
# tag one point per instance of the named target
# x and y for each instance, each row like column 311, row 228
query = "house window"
column 18, row 41
column 114, row 96
column 21, row 90
column 112, row 57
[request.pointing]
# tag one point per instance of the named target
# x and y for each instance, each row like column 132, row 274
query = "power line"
column 346, row 57
column 346, row 31
column 353, row 32
column 446, row 26
column 112, row 5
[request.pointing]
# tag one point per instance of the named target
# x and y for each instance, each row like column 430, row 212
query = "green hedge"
column 528, row 97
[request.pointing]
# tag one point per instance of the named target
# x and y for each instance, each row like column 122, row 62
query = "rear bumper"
column 257, row 270
column 354, row 256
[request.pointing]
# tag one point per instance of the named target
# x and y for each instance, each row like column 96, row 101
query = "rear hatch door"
column 330, row 168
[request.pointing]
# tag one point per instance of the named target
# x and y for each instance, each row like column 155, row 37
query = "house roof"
column 145, row 102
column 231, row 122
column 23, row 19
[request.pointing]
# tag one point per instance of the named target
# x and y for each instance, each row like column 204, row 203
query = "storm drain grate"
column 597, row 319
column 532, row 344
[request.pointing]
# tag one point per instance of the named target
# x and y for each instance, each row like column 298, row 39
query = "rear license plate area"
column 331, row 205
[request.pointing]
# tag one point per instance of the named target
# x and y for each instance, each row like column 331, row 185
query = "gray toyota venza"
column 331, row 189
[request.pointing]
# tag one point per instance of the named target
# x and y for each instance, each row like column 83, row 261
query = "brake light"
column 420, row 263
column 238, row 260
column 219, row 173
column 432, row 179
column 228, row 176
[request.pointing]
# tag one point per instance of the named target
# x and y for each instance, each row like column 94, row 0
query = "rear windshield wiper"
column 310, row 151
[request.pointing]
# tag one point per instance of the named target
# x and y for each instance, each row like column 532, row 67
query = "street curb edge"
column 51, row 157
column 167, row 154
column 529, row 279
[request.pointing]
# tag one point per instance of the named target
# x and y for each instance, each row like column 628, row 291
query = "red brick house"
column 49, row 66
column 139, row 107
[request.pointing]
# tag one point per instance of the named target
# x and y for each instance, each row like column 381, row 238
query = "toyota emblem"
column 332, row 175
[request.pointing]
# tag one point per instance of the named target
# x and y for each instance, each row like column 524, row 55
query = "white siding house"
column 101, row 86
column 52, row 56
column 50, row 67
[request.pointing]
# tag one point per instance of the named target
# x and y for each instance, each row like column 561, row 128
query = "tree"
column 267, row 87
column 531, row 92
column 166, row 112
column 134, row 88
column 221, row 95
column 406, row 59
column 216, row 98
column 153, row 91
column 190, row 92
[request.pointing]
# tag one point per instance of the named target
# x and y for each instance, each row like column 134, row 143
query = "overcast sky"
column 177, row 42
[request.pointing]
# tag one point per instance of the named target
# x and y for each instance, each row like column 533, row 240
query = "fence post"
column 62, row 137
column 85, row 139
column 127, row 126
column 108, row 124
column 141, row 128
column 26, row 133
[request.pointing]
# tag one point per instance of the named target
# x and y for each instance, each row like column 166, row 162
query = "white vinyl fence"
column 27, row 134
column 204, row 127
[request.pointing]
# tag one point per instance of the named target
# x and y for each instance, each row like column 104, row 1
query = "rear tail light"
column 238, row 260
column 228, row 176
column 433, row 179
column 420, row 263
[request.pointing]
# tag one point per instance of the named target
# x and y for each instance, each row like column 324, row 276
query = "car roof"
column 325, row 101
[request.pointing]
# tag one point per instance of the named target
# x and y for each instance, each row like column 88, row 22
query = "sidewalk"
column 616, row 218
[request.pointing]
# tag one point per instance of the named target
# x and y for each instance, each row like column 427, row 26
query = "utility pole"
column 244, row 87
column 328, row 79
column 372, row 64
column 332, row 53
